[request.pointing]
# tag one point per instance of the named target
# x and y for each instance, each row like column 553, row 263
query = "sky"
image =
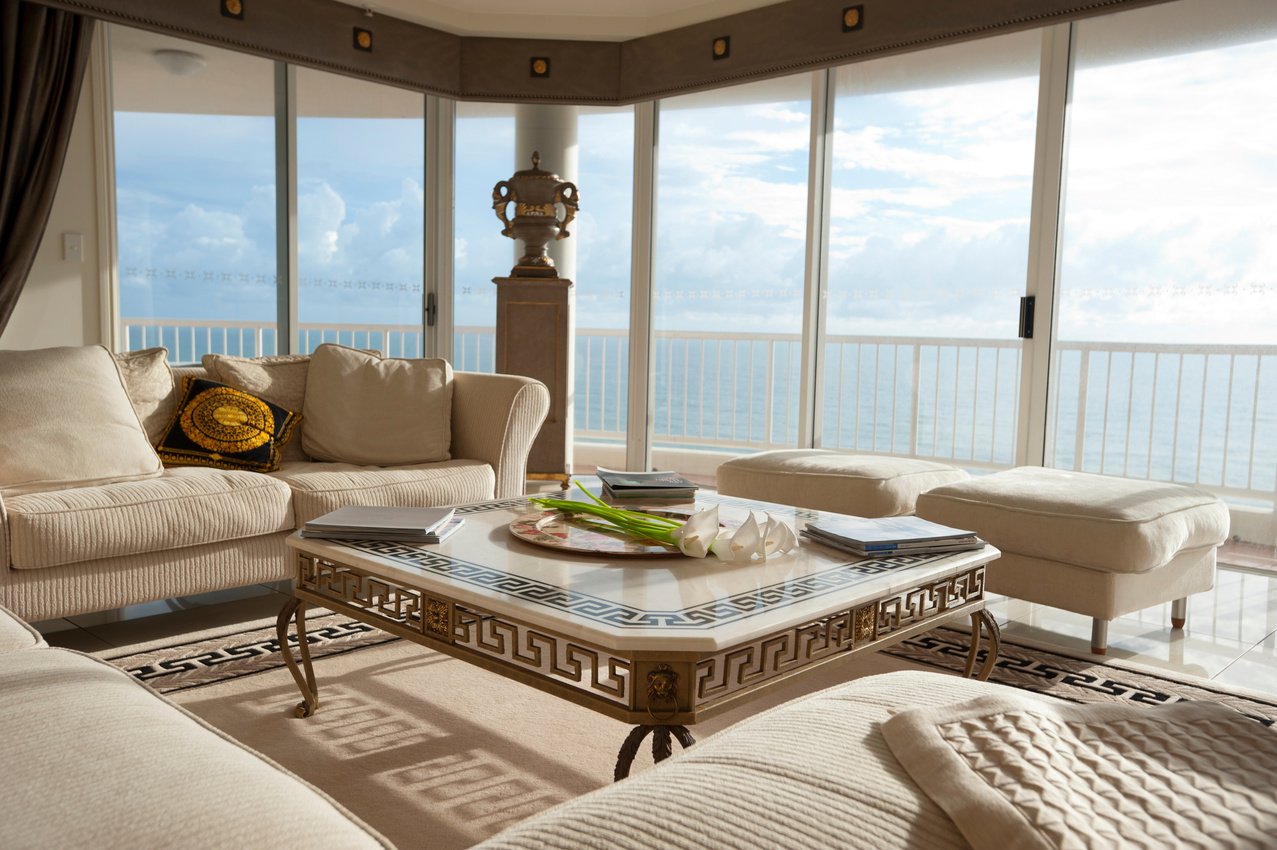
column 1169, row 231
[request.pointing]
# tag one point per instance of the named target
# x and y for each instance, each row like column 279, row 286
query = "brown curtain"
column 43, row 54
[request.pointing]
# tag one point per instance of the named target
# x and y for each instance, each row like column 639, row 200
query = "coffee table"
column 660, row 642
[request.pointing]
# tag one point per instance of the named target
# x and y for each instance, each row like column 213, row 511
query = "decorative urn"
column 536, row 196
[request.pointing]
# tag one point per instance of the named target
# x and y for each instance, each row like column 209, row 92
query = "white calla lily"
column 779, row 537
column 740, row 545
column 696, row 536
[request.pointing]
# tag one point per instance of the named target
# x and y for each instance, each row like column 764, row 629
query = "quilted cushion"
column 366, row 410
column 824, row 480
column 1096, row 521
column 322, row 487
column 184, row 507
column 66, row 421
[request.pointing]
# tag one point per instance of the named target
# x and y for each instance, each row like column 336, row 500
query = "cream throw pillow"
column 279, row 379
column 365, row 410
column 149, row 383
column 66, row 421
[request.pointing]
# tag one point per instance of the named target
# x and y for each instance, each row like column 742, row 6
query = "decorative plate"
column 556, row 530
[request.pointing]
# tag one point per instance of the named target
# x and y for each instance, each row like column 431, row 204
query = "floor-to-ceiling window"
column 1166, row 357
column 932, row 171
column 195, row 196
column 731, row 207
column 605, row 151
column 484, row 155
column 360, row 204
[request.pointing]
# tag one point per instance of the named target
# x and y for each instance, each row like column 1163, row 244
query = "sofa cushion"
column 66, row 421
column 814, row 772
column 280, row 380
column 149, row 382
column 826, row 480
column 93, row 759
column 184, row 507
column 217, row 425
column 322, row 487
column 366, row 410
column 16, row 634
column 1100, row 522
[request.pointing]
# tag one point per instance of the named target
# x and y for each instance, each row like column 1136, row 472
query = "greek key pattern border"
column 573, row 662
column 706, row 615
column 760, row 660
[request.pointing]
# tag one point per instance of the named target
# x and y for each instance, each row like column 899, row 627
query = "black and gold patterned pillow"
column 217, row 425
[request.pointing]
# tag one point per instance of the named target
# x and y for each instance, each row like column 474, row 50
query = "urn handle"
column 565, row 193
column 501, row 199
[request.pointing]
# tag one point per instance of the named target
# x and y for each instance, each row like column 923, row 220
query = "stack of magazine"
column 403, row 525
column 897, row 535
column 645, row 485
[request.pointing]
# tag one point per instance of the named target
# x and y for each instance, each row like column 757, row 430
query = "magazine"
column 888, row 531
column 645, row 485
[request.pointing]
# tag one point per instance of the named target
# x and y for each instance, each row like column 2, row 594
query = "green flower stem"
column 636, row 523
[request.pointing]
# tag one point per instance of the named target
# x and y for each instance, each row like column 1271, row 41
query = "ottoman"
column 1096, row 545
column 825, row 480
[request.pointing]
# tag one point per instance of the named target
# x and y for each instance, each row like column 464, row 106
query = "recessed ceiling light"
column 182, row 63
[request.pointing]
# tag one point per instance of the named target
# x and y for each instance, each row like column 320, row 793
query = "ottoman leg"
column 1179, row 612
column 1099, row 636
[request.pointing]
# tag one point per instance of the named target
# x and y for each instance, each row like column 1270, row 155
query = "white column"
column 551, row 130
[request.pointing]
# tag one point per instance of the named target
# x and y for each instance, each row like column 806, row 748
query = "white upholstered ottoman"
column 825, row 480
column 1092, row 544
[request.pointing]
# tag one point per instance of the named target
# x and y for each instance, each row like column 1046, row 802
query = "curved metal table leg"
column 296, row 609
column 661, row 746
column 983, row 620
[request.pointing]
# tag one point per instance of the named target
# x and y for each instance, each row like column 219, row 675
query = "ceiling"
column 597, row 20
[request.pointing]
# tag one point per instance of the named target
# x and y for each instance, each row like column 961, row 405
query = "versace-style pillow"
column 217, row 425
column 279, row 379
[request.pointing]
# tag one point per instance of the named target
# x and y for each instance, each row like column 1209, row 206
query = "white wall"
column 60, row 303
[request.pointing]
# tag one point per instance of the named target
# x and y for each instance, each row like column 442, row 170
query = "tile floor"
column 1231, row 636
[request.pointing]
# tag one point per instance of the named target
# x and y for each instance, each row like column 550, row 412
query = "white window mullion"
column 1044, row 241
column 816, row 268
column 638, row 443
column 438, row 271
column 287, row 330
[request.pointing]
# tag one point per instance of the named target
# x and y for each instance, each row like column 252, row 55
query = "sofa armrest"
column 495, row 418
column 5, row 559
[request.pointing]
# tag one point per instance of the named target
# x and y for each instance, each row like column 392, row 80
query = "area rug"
column 434, row 752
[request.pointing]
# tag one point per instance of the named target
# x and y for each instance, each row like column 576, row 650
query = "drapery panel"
column 43, row 56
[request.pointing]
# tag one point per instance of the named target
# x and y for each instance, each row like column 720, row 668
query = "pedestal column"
column 535, row 338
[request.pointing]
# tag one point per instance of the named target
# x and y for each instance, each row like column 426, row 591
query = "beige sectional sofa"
column 89, row 520
column 92, row 758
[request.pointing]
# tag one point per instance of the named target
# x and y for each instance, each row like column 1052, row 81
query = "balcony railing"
column 1192, row 414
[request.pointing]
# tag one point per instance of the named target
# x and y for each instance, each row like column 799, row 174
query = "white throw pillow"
column 149, row 383
column 362, row 409
column 66, row 421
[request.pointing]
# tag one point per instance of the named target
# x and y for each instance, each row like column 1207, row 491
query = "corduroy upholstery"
column 92, row 758
column 69, row 550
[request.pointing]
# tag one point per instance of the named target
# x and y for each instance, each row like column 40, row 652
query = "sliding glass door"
column 932, row 168
column 1166, row 358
